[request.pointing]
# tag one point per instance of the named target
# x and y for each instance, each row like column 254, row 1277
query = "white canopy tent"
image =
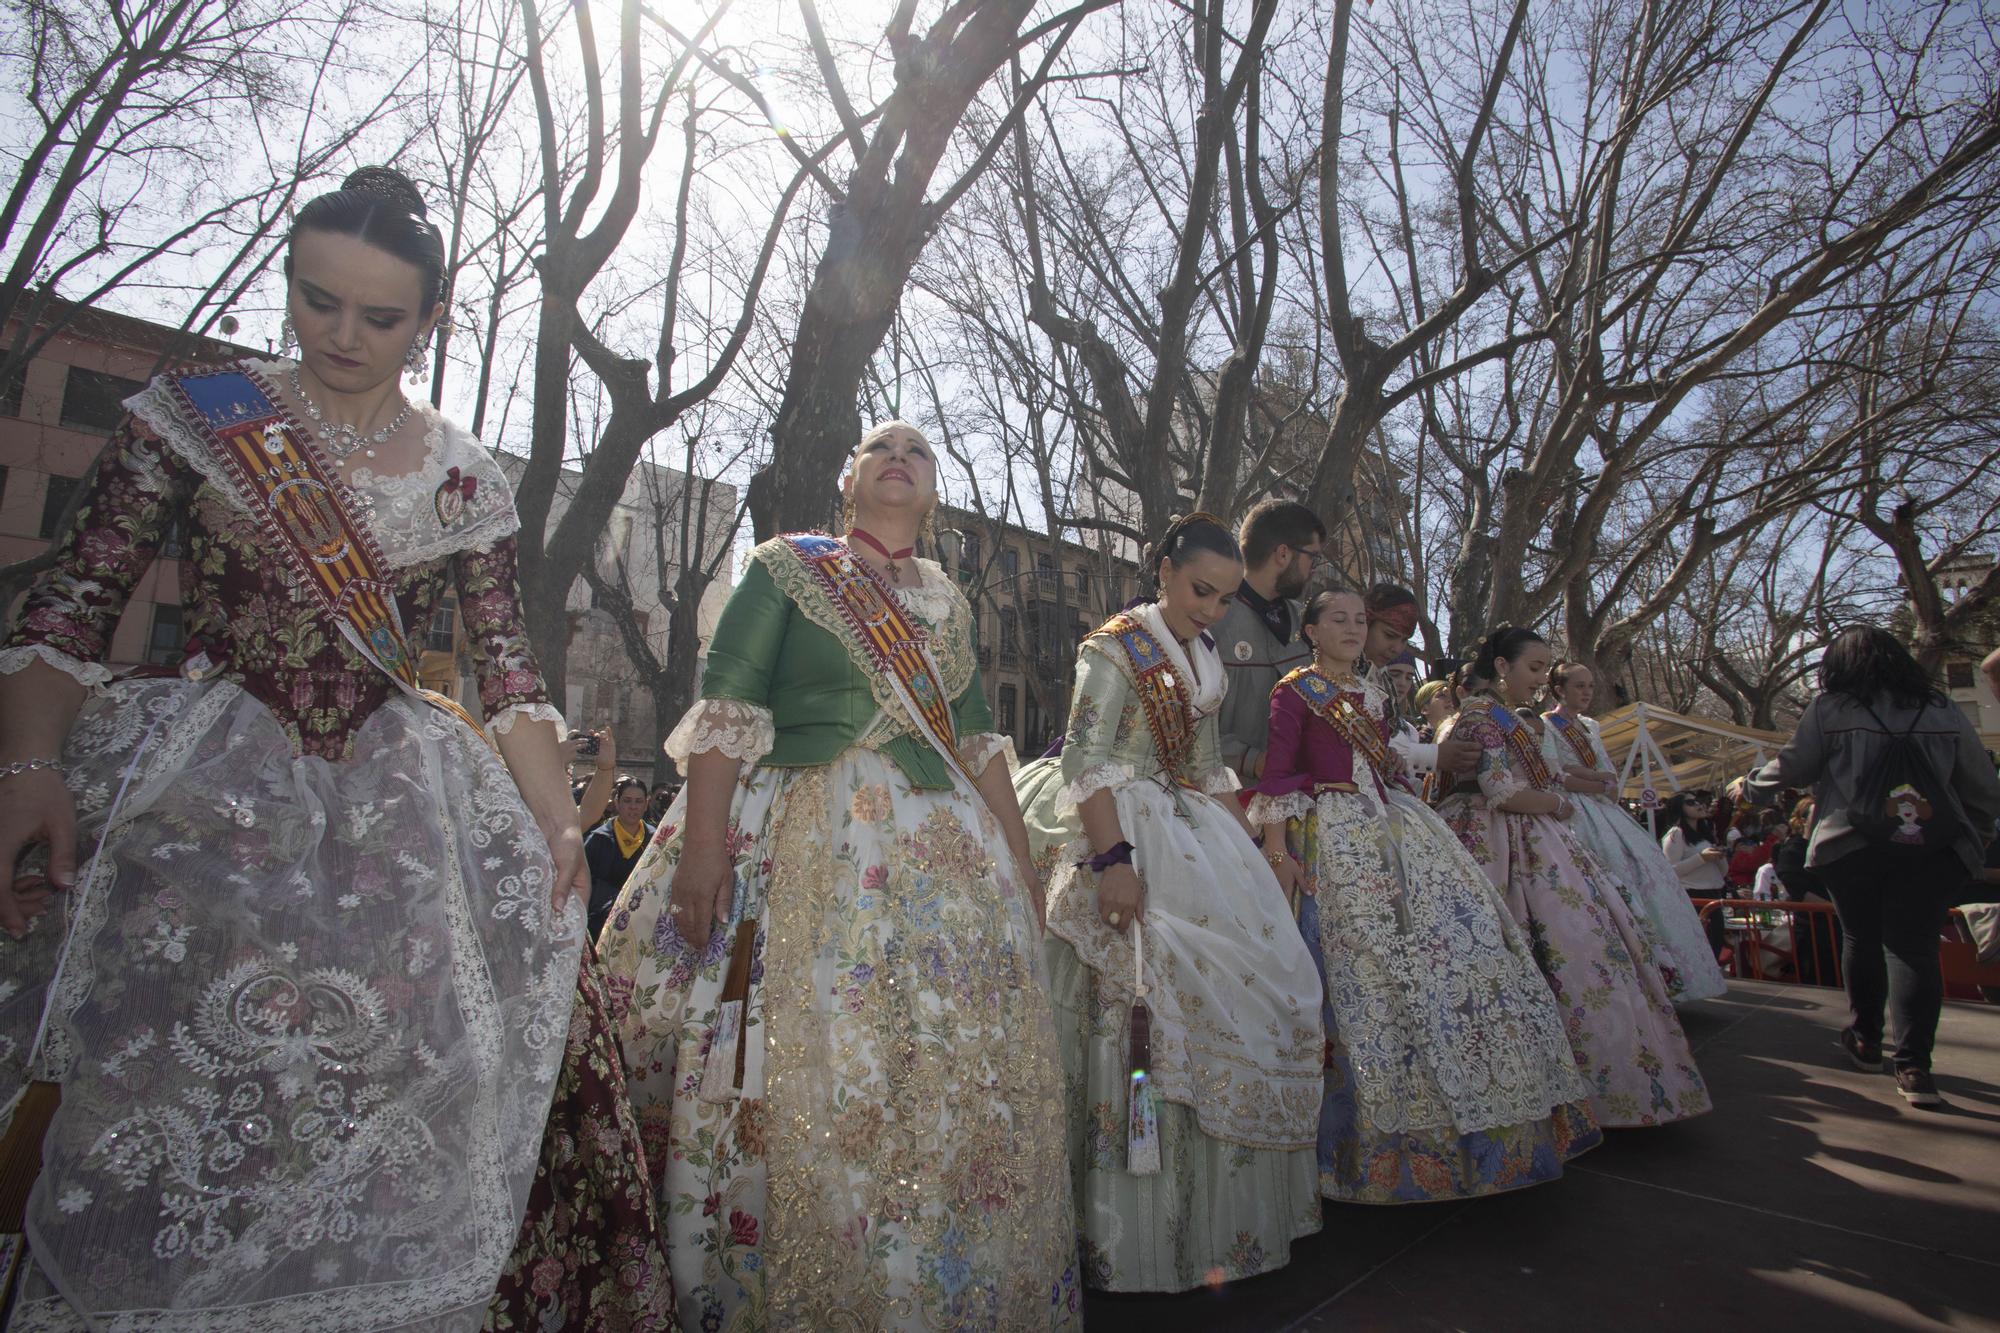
column 1659, row 751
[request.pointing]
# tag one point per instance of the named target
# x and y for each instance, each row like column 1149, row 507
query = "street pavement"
column 1811, row 1198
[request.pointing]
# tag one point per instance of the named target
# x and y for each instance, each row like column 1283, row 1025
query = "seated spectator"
column 1748, row 851
column 614, row 847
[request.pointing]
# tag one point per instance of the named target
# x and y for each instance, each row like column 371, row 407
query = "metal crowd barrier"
column 1756, row 950
column 1805, row 949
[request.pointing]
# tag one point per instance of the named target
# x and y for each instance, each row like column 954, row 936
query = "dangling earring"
column 418, row 361
column 927, row 533
column 288, row 338
column 846, row 514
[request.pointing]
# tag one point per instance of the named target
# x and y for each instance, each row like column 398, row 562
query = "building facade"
column 1033, row 599
column 1964, row 681
column 55, row 415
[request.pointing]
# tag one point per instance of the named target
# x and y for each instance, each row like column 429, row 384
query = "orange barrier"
column 1756, row 952
column 1759, row 952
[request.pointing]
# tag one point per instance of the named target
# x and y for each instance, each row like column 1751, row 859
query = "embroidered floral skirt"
column 894, row 1159
column 588, row 1257
column 1659, row 901
column 1600, row 966
column 309, row 1029
column 1448, row 1074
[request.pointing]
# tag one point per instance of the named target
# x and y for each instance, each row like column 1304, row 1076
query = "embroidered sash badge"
column 298, row 498
column 1523, row 745
column 454, row 494
column 1574, row 735
column 1345, row 712
column 894, row 647
column 1162, row 694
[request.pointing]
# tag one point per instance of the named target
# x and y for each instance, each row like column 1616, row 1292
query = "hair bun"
column 387, row 183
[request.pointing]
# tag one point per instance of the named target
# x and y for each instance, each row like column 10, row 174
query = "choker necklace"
column 870, row 539
column 341, row 439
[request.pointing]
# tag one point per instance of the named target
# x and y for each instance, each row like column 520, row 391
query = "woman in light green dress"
column 1140, row 792
column 826, row 969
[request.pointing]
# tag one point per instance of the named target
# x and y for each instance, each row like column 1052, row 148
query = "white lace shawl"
column 1197, row 662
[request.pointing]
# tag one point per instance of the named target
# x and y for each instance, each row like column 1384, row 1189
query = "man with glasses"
column 1258, row 637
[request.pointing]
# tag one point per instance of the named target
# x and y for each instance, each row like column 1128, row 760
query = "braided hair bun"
column 1504, row 642
column 1186, row 534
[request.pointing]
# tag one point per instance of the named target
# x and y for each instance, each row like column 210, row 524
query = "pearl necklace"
column 341, row 439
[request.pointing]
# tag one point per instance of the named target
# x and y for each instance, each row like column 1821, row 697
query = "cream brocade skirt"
column 895, row 1158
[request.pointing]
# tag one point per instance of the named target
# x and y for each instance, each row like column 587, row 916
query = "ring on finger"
column 1114, row 918
column 673, row 909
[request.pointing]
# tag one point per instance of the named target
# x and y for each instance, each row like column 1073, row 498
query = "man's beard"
column 1291, row 583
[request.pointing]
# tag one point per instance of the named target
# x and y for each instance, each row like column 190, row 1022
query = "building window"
column 1082, row 581
column 1010, row 563
column 1038, row 740
column 1045, row 568
column 968, row 553
column 163, row 645
column 440, row 639
column 54, row 501
column 93, row 400
column 1958, row 675
column 1006, row 717
column 1009, row 639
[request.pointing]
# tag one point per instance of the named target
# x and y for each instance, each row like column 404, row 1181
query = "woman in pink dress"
column 1513, row 817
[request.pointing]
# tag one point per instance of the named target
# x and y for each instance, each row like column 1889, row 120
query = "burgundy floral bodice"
column 245, row 613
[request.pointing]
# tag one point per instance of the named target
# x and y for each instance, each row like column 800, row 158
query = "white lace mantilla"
column 740, row 730
column 90, row 675
column 416, row 517
column 309, row 1028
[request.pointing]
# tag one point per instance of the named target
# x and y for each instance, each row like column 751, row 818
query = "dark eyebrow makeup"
column 327, row 298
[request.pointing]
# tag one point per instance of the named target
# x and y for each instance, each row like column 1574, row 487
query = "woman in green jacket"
column 826, row 967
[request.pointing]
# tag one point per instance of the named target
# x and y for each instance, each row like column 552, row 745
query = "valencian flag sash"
column 1573, row 733
column 897, row 650
column 293, row 492
column 1336, row 708
column 1524, row 745
column 1162, row 694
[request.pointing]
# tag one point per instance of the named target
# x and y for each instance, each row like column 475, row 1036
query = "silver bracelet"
column 17, row 768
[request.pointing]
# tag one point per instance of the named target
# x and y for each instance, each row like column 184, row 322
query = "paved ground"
column 1812, row 1198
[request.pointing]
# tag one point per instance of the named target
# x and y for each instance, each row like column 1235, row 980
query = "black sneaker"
column 1918, row 1087
column 1865, row 1054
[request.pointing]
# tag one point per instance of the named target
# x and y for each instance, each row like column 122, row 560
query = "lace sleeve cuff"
column 1221, row 782
column 90, row 675
column 1272, row 809
column 731, row 727
column 1499, row 786
column 978, row 750
column 503, row 721
column 1096, row 778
